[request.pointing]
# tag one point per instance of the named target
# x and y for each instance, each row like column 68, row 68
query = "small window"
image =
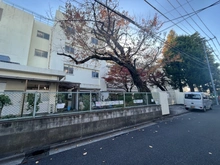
column 40, row 53
column 94, row 41
column 1, row 11
column 68, row 69
column 193, row 96
column 69, row 49
column 70, row 30
column 43, row 35
column 95, row 74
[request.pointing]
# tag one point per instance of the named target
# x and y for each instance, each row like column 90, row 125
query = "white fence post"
column 90, row 100
column 124, row 98
column 35, row 104
column 164, row 103
column 146, row 98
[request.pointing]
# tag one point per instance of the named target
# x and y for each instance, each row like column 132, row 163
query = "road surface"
column 189, row 139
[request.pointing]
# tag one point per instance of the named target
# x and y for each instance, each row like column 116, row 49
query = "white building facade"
column 28, row 55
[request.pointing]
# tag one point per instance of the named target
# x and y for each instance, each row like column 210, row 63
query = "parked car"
column 197, row 100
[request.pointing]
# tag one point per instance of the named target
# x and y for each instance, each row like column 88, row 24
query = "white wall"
column 179, row 97
column 41, row 44
column 18, row 31
column 164, row 103
column 82, row 73
column 15, row 31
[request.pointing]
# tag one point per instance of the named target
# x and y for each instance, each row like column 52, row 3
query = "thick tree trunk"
column 141, row 85
column 180, row 85
column 191, row 88
column 161, row 88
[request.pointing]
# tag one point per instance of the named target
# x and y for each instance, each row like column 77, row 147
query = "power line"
column 168, row 11
column 190, row 15
column 214, row 51
column 192, row 19
column 164, row 16
column 205, row 26
column 198, row 25
column 200, row 18
column 173, row 9
column 139, row 26
column 197, row 11
column 181, row 14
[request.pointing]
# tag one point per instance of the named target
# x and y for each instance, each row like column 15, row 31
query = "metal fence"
column 32, row 104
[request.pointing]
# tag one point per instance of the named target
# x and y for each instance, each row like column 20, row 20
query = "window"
column 95, row 74
column 68, row 68
column 70, row 30
column 69, row 49
column 40, row 53
column 1, row 11
column 43, row 35
column 94, row 41
column 193, row 96
column 205, row 97
column 4, row 58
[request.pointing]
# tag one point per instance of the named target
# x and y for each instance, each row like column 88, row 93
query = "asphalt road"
column 189, row 139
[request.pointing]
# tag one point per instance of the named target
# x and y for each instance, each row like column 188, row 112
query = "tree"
column 4, row 101
column 185, row 61
column 119, row 77
column 172, row 62
column 159, row 79
column 114, row 38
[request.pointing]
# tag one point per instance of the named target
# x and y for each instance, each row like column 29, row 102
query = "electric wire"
column 197, row 11
column 214, row 52
column 200, row 18
column 190, row 14
column 206, row 27
column 181, row 15
column 195, row 21
column 172, row 9
column 215, row 46
column 139, row 26
column 169, row 11
column 165, row 16
column 198, row 25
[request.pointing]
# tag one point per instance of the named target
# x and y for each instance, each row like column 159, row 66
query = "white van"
column 197, row 100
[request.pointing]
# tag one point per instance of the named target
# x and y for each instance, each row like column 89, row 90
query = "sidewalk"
column 177, row 109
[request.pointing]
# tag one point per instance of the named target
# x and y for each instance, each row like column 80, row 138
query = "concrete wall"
column 25, row 134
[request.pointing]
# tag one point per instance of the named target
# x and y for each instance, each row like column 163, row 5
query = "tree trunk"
column 161, row 87
column 191, row 88
column 141, row 85
column 1, row 112
column 180, row 85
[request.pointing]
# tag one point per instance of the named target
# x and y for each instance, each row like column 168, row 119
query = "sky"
column 207, row 24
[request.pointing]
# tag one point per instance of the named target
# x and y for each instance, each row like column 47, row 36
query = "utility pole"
column 213, row 85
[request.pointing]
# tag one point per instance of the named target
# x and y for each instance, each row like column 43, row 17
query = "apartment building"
column 89, row 74
column 28, row 55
